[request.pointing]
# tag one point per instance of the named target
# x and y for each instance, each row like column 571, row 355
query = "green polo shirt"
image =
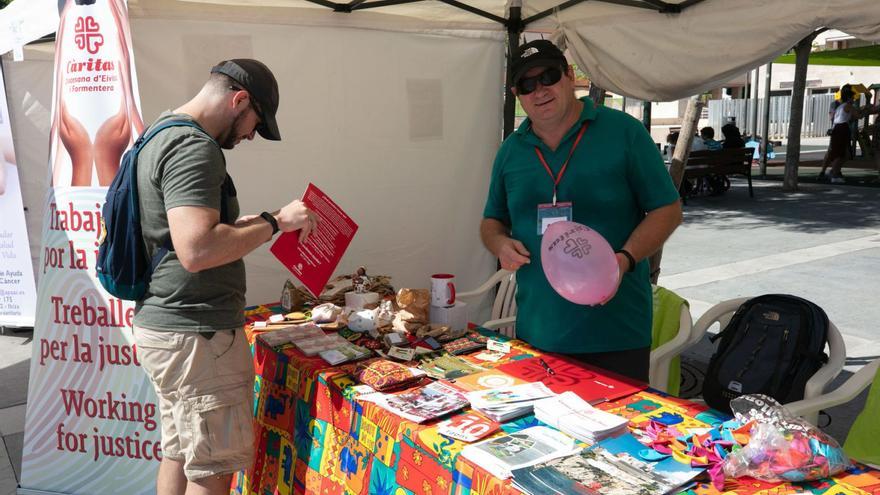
column 615, row 176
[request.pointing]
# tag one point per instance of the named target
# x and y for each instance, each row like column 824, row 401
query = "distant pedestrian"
column 732, row 137
column 707, row 134
column 841, row 135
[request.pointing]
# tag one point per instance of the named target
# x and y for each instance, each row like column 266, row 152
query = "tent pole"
column 646, row 115
column 768, row 76
column 752, row 119
column 514, row 28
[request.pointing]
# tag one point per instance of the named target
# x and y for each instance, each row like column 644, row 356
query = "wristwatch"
column 629, row 256
column 271, row 219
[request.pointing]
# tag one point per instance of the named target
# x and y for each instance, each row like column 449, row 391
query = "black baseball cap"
column 259, row 81
column 538, row 53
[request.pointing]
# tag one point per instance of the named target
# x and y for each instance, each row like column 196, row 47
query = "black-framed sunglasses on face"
column 549, row 77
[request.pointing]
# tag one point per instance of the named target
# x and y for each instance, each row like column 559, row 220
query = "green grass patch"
column 863, row 56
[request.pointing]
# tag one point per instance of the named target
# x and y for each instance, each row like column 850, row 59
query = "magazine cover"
column 612, row 467
column 501, row 455
column 429, row 402
column 508, row 395
column 486, row 380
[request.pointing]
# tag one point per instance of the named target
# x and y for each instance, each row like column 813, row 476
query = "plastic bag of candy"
column 781, row 447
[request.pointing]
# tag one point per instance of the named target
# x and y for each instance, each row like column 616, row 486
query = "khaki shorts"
column 205, row 388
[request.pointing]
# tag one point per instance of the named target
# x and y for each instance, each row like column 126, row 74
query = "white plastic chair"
column 722, row 313
column 662, row 356
column 846, row 392
column 503, row 318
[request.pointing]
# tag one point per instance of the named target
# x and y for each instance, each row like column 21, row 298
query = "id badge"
column 548, row 214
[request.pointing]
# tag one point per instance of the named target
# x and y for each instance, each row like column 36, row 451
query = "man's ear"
column 240, row 98
column 569, row 72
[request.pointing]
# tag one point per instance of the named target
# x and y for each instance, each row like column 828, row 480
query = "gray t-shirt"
column 184, row 166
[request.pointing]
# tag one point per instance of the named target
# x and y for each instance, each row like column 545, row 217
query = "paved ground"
column 822, row 243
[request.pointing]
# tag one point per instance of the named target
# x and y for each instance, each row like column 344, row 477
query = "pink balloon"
column 579, row 263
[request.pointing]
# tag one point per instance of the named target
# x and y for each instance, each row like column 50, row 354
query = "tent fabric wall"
column 663, row 57
column 29, row 93
column 400, row 129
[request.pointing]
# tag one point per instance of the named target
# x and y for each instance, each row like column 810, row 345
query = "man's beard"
column 228, row 142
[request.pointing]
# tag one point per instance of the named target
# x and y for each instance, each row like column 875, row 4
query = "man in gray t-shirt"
column 188, row 326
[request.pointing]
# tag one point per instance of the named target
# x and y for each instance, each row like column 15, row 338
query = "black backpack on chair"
column 773, row 344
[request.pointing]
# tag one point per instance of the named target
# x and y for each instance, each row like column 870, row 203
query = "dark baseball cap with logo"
column 259, row 81
column 538, row 53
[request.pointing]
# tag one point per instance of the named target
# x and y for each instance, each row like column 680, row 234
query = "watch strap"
column 630, row 258
column 271, row 219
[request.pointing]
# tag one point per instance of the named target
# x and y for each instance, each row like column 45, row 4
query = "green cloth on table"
column 667, row 320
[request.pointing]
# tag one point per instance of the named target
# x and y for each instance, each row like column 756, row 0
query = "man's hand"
column 296, row 216
column 511, row 253
column 622, row 268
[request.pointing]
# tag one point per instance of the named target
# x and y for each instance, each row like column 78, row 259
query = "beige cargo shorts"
column 205, row 390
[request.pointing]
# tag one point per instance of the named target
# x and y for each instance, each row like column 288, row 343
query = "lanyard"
column 558, row 177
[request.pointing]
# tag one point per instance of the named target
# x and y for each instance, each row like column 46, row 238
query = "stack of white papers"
column 500, row 455
column 503, row 404
column 571, row 414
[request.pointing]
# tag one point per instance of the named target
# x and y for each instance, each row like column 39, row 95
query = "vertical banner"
column 92, row 424
column 18, row 294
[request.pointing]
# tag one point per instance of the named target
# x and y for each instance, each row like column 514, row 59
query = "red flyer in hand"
column 314, row 261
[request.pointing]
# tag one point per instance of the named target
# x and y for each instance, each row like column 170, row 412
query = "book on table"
column 614, row 466
column 502, row 454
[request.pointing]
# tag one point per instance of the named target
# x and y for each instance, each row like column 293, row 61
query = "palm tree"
column 793, row 146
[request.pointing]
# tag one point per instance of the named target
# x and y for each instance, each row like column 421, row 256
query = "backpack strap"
column 144, row 138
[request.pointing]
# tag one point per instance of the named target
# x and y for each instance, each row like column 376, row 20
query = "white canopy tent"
column 395, row 107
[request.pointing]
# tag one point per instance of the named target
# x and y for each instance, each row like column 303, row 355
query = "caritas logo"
column 88, row 34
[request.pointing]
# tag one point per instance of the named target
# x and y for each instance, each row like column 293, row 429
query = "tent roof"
column 656, row 50
column 488, row 15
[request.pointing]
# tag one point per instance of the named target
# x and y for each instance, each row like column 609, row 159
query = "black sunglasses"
column 549, row 77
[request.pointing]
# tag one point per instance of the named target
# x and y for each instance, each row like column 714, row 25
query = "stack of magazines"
column 569, row 413
column 614, row 466
column 506, row 403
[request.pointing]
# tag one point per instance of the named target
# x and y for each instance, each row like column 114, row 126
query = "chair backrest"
column 504, row 307
column 671, row 331
column 505, row 300
column 722, row 313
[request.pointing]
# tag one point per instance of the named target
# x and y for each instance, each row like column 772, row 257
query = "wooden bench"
column 721, row 162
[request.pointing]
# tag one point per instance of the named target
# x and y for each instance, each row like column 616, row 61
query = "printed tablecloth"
column 313, row 438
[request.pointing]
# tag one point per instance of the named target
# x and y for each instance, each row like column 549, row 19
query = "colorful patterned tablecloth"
column 312, row 437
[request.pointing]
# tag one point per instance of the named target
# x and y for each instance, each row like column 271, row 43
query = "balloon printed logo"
column 578, row 248
column 579, row 263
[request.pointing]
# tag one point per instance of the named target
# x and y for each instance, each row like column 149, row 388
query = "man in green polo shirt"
column 595, row 166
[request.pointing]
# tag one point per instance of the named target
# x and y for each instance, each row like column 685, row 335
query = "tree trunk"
column 793, row 146
column 597, row 94
column 679, row 159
